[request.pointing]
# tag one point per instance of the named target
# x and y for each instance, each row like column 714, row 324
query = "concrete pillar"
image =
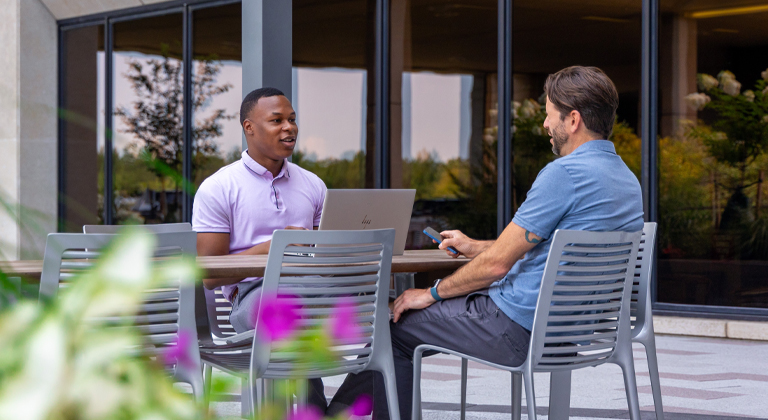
column 267, row 46
column 28, row 98
column 677, row 72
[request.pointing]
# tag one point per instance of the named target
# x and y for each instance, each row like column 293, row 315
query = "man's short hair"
column 252, row 98
column 587, row 90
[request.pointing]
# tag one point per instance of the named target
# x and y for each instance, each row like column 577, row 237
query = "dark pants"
column 471, row 324
column 241, row 317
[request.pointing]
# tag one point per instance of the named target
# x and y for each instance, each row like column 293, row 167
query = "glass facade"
column 333, row 90
column 439, row 86
column 148, row 123
column 713, row 236
column 443, row 69
column 81, row 181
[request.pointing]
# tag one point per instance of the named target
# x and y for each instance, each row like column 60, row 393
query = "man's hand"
column 461, row 242
column 412, row 299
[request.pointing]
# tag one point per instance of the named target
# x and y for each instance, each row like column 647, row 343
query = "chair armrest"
column 240, row 338
column 209, row 346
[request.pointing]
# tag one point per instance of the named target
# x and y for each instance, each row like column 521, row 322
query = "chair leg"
column 517, row 396
column 559, row 395
column 653, row 371
column 530, row 398
column 246, row 406
column 627, row 363
column 207, row 381
column 464, row 365
column 416, row 407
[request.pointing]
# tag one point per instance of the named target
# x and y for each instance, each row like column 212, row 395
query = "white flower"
column 725, row 75
column 697, row 101
column 765, row 93
column 765, row 74
column 731, row 87
column 750, row 95
column 528, row 108
column 707, row 82
column 765, row 119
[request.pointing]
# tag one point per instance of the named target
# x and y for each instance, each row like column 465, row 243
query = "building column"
column 267, row 46
column 677, row 72
column 28, row 128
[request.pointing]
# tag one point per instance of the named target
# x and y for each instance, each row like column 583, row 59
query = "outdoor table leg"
column 559, row 395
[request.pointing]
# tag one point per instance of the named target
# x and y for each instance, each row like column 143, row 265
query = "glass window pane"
column 82, row 116
column 713, row 224
column 148, row 125
column 217, row 87
column 333, row 46
column 443, row 58
column 588, row 33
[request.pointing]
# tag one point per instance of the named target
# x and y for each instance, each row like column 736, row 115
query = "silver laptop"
column 369, row 209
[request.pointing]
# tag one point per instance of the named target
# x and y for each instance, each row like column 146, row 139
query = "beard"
column 559, row 138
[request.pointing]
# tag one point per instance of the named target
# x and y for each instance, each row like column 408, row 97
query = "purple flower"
column 177, row 353
column 362, row 406
column 306, row 413
column 277, row 316
column 342, row 324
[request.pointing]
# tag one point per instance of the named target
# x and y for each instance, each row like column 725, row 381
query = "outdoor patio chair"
column 352, row 265
column 211, row 308
column 582, row 316
column 641, row 316
column 164, row 313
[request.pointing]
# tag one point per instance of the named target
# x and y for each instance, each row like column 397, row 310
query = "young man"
column 486, row 308
column 238, row 208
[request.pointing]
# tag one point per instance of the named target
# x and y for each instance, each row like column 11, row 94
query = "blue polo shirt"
column 590, row 189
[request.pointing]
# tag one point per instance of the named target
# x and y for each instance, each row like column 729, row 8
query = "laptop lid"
column 369, row 209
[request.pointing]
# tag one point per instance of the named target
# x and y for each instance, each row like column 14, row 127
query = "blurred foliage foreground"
column 67, row 359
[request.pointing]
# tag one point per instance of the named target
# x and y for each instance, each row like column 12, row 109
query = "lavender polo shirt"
column 246, row 201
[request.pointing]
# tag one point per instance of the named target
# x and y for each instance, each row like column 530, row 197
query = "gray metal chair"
column 582, row 315
column 211, row 308
column 641, row 316
column 164, row 313
column 352, row 265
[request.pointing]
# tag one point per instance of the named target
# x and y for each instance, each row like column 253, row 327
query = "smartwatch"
column 433, row 291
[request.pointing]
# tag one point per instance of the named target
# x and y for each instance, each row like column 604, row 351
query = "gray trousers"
column 471, row 324
column 242, row 318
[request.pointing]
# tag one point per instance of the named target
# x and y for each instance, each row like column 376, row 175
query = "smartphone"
column 435, row 235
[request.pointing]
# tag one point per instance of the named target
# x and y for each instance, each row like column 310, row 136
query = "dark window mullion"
column 108, row 121
column 504, row 162
column 381, row 119
column 188, row 117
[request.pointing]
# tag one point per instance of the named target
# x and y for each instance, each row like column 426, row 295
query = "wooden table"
column 418, row 261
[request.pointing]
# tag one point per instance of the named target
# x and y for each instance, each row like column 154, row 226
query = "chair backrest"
column 164, row 312
column 160, row 228
column 640, row 308
column 582, row 312
column 212, row 307
column 347, row 267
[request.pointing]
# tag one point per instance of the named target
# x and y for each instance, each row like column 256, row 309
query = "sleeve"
column 550, row 198
column 211, row 210
column 319, row 203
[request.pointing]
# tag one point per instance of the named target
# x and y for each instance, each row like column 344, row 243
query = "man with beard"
column 486, row 308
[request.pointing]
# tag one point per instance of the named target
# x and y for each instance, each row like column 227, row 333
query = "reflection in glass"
column 550, row 36
column 148, row 120
column 217, row 88
column 82, row 117
column 333, row 90
column 713, row 237
column 443, row 69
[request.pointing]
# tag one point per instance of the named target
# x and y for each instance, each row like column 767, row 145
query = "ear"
column 248, row 127
column 575, row 120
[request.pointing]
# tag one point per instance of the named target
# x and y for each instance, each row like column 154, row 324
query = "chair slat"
column 573, row 298
column 621, row 258
column 315, row 291
column 311, row 271
column 336, row 250
column 584, row 317
column 335, row 280
column 585, row 307
column 357, row 259
column 582, row 327
column 80, row 255
column 596, row 269
column 578, row 349
column 586, row 288
column 598, row 249
column 582, row 337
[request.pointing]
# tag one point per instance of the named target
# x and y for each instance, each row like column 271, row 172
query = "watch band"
column 433, row 291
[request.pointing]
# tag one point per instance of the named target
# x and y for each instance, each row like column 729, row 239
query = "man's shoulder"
column 296, row 170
